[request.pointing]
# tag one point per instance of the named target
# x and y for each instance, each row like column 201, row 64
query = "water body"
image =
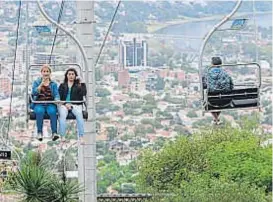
column 201, row 28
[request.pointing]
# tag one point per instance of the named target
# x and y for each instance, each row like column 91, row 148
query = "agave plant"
column 36, row 182
column 65, row 191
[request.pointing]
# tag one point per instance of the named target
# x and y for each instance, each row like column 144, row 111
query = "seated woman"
column 218, row 81
column 44, row 89
column 71, row 90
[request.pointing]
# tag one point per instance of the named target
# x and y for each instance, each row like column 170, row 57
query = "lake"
column 201, row 28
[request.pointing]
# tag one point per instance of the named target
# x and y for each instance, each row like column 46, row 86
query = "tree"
column 160, row 84
column 217, row 161
column 205, row 189
column 102, row 92
column 98, row 74
column 191, row 114
column 149, row 98
column 137, row 27
column 111, row 133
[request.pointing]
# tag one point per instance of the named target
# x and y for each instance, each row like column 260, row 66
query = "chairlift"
column 29, row 98
column 245, row 95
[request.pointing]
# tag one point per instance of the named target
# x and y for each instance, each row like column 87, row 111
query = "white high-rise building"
column 133, row 53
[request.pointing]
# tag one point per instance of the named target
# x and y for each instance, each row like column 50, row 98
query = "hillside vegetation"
column 224, row 164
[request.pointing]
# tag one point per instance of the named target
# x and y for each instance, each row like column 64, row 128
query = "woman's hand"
column 68, row 106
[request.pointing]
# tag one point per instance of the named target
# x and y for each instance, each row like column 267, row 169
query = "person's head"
column 45, row 71
column 216, row 61
column 70, row 75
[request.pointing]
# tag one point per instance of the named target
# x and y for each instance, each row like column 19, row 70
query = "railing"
column 124, row 197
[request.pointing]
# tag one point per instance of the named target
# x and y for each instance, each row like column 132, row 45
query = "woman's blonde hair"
column 45, row 66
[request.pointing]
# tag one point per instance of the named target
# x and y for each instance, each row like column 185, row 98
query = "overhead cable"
column 56, row 31
column 108, row 31
column 13, row 68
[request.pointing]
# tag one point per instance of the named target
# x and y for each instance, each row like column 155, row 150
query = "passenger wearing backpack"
column 218, row 81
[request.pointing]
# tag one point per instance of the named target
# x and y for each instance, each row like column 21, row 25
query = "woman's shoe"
column 214, row 122
column 55, row 136
column 40, row 137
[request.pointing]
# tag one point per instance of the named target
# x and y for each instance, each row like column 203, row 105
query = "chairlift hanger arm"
column 209, row 34
column 69, row 34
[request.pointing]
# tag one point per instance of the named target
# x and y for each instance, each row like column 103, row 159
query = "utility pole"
column 27, row 61
column 87, row 152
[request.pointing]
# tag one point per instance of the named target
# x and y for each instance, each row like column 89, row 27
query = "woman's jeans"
column 51, row 110
column 77, row 111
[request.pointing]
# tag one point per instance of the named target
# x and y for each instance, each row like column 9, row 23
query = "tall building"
column 133, row 53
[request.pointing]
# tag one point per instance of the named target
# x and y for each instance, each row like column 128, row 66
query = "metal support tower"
column 27, row 61
column 87, row 152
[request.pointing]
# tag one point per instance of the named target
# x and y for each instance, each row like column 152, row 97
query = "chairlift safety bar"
column 220, row 95
column 242, row 64
column 55, row 101
column 217, row 110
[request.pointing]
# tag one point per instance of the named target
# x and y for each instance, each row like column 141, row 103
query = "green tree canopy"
column 229, row 157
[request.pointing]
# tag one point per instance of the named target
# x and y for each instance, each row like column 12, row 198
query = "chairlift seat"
column 237, row 98
column 70, row 115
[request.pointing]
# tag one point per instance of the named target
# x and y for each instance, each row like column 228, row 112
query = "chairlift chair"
column 241, row 97
column 29, row 98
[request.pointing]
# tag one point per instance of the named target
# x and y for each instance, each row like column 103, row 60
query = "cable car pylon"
column 86, row 152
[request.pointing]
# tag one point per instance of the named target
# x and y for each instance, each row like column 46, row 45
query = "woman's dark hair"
column 216, row 61
column 70, row 70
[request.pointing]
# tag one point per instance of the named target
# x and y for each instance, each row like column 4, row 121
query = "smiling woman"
column 44, row 89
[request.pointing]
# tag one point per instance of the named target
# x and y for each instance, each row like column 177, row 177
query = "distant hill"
column 137, row 12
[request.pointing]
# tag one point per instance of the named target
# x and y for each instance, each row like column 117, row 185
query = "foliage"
column 104, row 105
column 156, row 124
column 225, row 162
column 116, row 176
column 98, row 74
column 174, row 100
column 37, row 182
column 102, row 92
column 111, row 133
column 164, row 115
column 160, row 84
column 191, row 114
column 149, row 98
column 205, row 189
